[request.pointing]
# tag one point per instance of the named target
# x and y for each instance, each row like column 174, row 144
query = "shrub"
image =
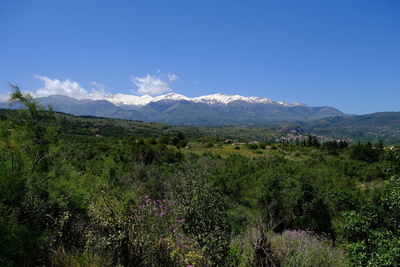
column 304, row 248
column 372, row 234
column 262, row 145
column 365, row 152
column 259, row 246
column 252, row 146
column 147, row 234
column 206, row 218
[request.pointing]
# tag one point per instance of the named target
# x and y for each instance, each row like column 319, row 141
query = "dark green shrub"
column 365, row 152
column 252, row 146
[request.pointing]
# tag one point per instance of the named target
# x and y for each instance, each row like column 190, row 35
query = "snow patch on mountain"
column 124, row 99
column 133, row 100
column 226, row 99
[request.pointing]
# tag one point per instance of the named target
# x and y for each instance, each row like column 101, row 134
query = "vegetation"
column 78, row 191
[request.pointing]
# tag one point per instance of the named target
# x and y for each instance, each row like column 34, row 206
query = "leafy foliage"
column 372, row 233
column 77, row 191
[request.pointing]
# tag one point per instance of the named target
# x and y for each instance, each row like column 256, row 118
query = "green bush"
column 146, row 234
column 206, row 218
column 372, row 233
column 252, row 146
column 365, row 152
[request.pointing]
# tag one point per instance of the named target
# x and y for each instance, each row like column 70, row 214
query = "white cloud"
column 99, row 91
column 150, row 85
column 98, row 86
column 57, row 87
column 3, row 98
column 69, row 88
column 172, row 77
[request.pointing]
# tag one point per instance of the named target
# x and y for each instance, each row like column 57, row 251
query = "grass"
column 60, row 258
column 225, row 150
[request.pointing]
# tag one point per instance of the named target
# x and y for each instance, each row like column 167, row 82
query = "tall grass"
column 304, row 248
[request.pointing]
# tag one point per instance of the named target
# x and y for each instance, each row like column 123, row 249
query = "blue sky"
column 341, row 53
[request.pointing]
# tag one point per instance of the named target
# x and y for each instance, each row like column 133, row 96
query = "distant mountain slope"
column 381, row 125
column 205, row 110
column 372, row 127
column 233, row 113
column 217, row 109
column 99, row 108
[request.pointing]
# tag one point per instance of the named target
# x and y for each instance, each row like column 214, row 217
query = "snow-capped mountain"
column 226, row 99
column 132, row 100
column 215, row 109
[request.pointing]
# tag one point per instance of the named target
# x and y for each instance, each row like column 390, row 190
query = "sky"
column 340, row 53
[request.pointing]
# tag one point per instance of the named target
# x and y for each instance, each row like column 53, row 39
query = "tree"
column 37, row 123
column 29, row 211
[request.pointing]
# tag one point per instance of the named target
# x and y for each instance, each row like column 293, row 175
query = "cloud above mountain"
column 65, row 87
column 150, row 85
column 153, row 85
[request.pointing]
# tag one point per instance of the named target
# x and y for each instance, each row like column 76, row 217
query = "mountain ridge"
column 212, row 110
column 217, row 109
column 133, row 100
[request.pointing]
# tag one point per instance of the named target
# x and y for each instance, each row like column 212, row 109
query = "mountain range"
column 229, row 110
column 216, row 109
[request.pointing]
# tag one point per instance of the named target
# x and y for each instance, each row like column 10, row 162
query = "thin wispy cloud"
column 98, row 91
column 99, row 86
column 172, row 77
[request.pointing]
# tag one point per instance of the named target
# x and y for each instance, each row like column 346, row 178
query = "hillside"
column 382, row 125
